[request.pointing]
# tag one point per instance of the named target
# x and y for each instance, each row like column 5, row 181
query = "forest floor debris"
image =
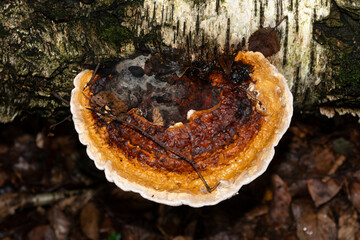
column 49, row 189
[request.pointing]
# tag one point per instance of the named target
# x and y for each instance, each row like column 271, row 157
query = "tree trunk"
column 45, row 43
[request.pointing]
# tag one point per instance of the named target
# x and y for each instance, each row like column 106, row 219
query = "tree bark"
column 44, row 44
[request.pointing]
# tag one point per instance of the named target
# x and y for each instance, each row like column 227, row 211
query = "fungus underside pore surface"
column 225, row 115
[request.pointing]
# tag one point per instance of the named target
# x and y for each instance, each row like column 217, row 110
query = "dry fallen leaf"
column 348, row 224
column 59, row 222
column 355, row 194
column 73, row 204
column 157, row 118
column 323, row 158
column 311, row 224
column 321, row 192
column 9, row 203
column 319, row 160
column 279, row 207
column 43, row 232
column 338, row 162
column 89, row 221
column 110, row 99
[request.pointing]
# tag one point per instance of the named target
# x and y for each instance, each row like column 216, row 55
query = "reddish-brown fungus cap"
column 231, row 143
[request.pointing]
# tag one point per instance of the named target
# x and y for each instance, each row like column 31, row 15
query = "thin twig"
column 56, row 124
column 249, row 93
column 55, row 94
column 282, row 19
column 92, row 77
column 161, row 144
column 10, row 202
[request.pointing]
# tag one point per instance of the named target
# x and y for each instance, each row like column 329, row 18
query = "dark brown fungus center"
column 161, row 95
column 165, row 99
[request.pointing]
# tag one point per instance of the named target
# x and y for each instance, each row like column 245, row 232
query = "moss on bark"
column 341, row 33
column 44, row 44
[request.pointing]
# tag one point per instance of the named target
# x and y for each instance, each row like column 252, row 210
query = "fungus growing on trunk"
column 193, row 138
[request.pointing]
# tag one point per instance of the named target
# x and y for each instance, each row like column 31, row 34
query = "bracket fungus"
column 193, row 138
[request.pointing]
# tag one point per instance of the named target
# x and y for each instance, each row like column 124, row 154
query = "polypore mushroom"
column 170, row 139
